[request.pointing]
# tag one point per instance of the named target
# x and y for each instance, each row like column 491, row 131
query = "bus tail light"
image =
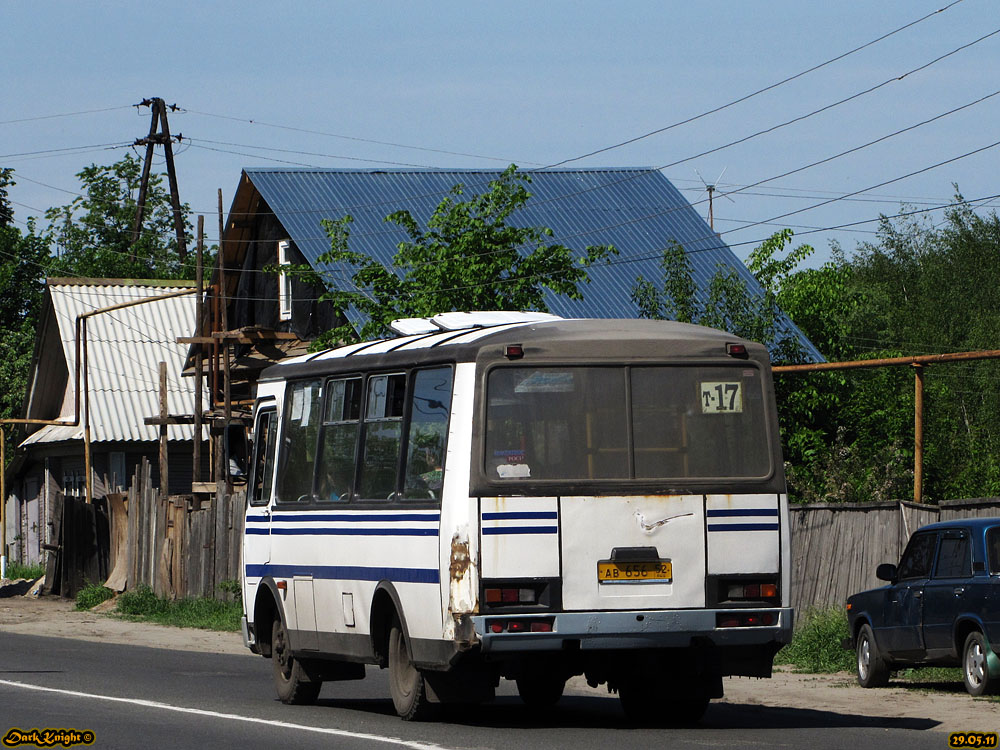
column 752, row 591
column 744, row 619
column 523, row 625
column 511, row 596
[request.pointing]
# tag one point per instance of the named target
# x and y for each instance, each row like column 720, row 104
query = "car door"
column 903, row 634
column 947, row 593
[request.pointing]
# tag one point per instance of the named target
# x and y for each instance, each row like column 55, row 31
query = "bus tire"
column 290, row 680
column 540, row 691
column 872, row 669
column 406, row 683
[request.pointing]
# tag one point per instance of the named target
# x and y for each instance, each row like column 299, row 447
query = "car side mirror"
column 886, row 572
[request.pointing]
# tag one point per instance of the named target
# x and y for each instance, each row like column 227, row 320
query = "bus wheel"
column 540, row 690
column 290, row 680
column 406, row 683
column 653, row 705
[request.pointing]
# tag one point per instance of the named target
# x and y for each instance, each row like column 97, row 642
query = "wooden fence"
column 836, row 547
column 180, row 547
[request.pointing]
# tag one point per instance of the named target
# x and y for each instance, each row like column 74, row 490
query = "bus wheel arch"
column 386, row 609
column 267, row 609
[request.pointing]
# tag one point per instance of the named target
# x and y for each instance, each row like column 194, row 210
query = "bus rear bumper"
column 641, row 629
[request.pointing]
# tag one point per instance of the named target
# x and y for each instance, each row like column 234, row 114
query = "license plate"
column 609, row 571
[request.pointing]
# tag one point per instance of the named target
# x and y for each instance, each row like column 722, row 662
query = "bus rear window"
column 642, row 423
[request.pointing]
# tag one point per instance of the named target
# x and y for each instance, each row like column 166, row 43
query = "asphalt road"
column 138, row 697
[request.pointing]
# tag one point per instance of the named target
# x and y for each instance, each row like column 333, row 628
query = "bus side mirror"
column 886, row 572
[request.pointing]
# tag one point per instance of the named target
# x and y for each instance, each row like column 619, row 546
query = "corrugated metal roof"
column 637, row 210
column 125, row 348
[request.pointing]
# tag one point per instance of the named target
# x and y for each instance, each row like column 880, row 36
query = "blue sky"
column 525, row 82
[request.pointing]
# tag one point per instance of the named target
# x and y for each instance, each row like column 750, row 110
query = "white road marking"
column 232, row 717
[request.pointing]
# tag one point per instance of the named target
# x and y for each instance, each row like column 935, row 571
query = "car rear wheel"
column 872, row 669
column 975, row 668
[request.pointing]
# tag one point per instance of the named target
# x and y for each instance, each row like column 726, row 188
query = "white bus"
column 518, row 496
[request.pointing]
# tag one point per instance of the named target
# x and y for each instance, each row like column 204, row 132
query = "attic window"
column 284, row 283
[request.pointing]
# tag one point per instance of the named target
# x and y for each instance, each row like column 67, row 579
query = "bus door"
column 257, row 532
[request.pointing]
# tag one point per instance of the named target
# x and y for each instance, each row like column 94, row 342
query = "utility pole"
column 161, row 138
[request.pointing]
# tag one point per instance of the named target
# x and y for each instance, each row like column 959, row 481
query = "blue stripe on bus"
column 743, row 527
column 358, row 517
column 498, row 530
column 743, row 512
column 265, row 532
column 307, row 531
column 346, row 573
column 520, row 515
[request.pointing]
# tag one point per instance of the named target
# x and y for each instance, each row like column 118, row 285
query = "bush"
column 91, row 595
column 232, row 587
column 140, row 602
column 815, row 647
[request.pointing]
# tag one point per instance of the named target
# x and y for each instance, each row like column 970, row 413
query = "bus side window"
column 430, row 405
column 338, row 440
column 298, row 449
column 263, row 461
column 383, row 436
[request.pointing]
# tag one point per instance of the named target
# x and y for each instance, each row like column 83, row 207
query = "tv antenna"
column 711, row 189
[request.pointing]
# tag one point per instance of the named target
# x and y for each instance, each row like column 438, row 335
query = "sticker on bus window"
column 721, row 397
column 514, row 471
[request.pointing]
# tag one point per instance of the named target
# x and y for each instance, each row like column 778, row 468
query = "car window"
column 953, row 560
column 993, row 549
column 917, row 558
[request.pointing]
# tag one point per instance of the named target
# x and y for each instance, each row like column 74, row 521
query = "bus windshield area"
column 628, row 423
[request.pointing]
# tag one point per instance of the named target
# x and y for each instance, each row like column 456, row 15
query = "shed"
column 121, row 375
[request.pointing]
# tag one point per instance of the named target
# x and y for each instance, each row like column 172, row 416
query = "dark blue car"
column 941, row 607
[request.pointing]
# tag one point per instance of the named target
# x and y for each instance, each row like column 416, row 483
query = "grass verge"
column 815, row 646
column 16, row 570
column 143, row 605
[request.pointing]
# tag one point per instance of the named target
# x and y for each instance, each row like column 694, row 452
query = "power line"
column 196, row 142
column 754, row 93
column 94, row 146
column 800, row 118
column 350, row 137
column 64, row 114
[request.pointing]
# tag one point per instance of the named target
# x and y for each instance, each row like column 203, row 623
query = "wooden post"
column 175, row 200
column 918, row 433
column 164, row 467
column 199, row 311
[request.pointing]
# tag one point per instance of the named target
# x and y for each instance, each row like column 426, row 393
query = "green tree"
column 23, row 259
column 469, row 257
column 918, row 289
column 727, row 303
column 93, row 235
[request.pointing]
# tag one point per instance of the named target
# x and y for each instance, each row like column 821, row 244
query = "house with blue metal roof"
column 276, row 218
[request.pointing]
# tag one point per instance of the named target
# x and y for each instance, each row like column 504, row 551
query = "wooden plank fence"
column 181, row 547
column 836, row 547
column 177, row 546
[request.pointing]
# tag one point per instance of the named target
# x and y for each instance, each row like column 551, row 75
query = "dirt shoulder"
column 937, row 707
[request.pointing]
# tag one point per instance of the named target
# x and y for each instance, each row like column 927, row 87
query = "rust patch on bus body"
column 460, row 559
